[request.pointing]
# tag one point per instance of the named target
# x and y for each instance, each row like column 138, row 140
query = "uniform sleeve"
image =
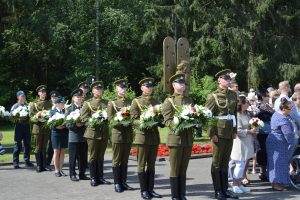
column 104, row 104
column 51, row 113
column 68, row 110
column 85, row 113
column 135, row 112
column 13, row 107
column 168, row 112
column 110, row 110
column 32, row 110
column 211, row 104
column 48, row 105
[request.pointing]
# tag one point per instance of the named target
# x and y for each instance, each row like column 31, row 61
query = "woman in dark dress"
column 265, row 114
column 281, row 143
column 59, row 137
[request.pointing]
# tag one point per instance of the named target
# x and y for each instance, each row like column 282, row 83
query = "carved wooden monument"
column 176, row 58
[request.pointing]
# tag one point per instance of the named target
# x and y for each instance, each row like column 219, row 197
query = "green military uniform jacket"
column 147, row 136
column 86, row 97
column 35, row 107
column 90, row 107
column 185, row 137
column 223, row 102
column 120, row 133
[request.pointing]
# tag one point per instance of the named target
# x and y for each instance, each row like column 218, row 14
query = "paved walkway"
column 26, row 184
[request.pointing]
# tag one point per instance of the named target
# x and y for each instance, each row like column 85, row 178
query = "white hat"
column 251, row 97
column 232, row 75
column 251, row 90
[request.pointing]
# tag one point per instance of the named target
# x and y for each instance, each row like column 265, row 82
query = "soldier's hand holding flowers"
column 122, row 117
column 56, row 121
column 151, row 117
column 41, row 116
column 20, row 113
column 98, row 119
column 188, row 116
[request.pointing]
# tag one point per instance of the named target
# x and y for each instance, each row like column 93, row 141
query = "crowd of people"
column 271, row 145
column 234, row 138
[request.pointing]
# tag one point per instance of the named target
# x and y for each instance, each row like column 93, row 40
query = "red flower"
column 133, row 151
column 163, row 150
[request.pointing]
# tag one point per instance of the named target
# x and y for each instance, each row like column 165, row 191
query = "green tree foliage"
column 201, row 87
column 53, row 42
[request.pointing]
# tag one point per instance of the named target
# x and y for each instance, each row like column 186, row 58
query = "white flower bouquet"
column 150, row 117
column 21, row 113
column 41, row 116
column 98, row 119
column 122, row 117
column 3, row 113
column 256, row 123
column 73, row 117
column 56, row 120
column 188, row 116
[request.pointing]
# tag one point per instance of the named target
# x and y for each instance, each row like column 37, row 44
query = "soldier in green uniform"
column 180, row 145
column 84, row 86
column 97, row 138
column 223, row 104
column 121, row 138
column 147, row 140
column 40, row 132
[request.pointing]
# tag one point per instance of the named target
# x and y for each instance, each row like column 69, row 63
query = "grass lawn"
column 8, row 140
column 8, row 135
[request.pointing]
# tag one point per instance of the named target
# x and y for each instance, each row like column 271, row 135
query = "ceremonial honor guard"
column 77, row 143
column 147, row 140
column 180, row 144
column 40, row 132
column 121, row 138
column 223, row 104
column 84, row 86
column 97, row 138
column 22, row 133
column 53, row 95
column 59, row 138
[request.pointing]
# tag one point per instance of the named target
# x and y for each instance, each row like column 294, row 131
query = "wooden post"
column 183, row 56
column 169, row 62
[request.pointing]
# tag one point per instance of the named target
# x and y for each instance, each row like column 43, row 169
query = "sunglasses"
column 226, row 77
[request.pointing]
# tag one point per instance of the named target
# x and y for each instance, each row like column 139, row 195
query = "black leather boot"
column 125, row 186
column 100, row 178
column 143, row 184
column 182, row 187
column 92, row 166
column 117, row 179
column 38, row 162
column 216, row 178
column 174, row 181
column 46, row 167
column 224, row 185
column 150, row 179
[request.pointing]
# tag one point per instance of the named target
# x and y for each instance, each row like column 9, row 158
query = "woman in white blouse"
column 243, row 146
